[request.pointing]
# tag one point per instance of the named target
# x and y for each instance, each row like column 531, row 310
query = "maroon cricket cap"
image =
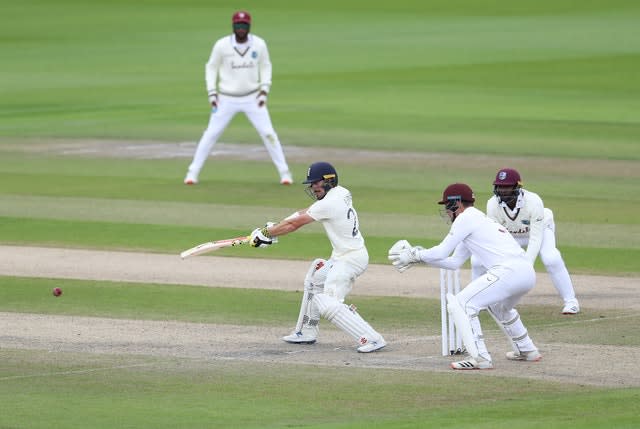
column 507, row 177
column 241, row 16
column 457, row 192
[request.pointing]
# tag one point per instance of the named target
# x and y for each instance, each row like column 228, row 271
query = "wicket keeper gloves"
column 403, row 256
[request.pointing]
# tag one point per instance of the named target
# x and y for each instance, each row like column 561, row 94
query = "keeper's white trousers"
column 499, row 290
column 220, row 117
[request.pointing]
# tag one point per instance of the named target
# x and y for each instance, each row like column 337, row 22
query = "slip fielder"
column 523, row 213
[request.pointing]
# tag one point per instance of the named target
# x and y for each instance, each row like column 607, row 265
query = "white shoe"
column 472, row 363
column 299, row 338
column 286, row 179
column 190, row 180
column 372, row 346
column 571, row 307
column 530, row 356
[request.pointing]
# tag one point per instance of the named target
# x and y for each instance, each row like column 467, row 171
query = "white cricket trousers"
column 550, row 257
column 220, row 117
column 499, row 290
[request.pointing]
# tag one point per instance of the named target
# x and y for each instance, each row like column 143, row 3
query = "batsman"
column 328, row 282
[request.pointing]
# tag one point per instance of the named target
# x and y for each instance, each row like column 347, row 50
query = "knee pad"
column 316, row 275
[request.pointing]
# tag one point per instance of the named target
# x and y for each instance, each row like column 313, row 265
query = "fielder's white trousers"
column 220, row 117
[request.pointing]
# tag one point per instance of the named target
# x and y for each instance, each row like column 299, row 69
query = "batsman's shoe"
column 472, row 363
column 571, row 307
column 299, row 338
column 372, row 346
column 531, row 356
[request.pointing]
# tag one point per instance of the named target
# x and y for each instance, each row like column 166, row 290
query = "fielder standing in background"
column 509, row 277
column 523, row 213
column 238, row 76
column 328, row 282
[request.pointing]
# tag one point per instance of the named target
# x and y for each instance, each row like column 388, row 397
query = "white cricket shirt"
column 238, row 70
column 473, row 233
column 339, row 219
column 525, row 222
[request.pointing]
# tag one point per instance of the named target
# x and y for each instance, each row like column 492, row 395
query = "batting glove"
column 260, row 237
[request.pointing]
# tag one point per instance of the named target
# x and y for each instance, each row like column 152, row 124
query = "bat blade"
column 211, row 246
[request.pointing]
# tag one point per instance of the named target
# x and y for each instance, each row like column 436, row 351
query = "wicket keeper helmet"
column 322, row 171
column 456, row 192
column 504, row 178
column 241, row 16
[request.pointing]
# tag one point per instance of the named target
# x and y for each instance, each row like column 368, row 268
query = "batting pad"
column 347, row 320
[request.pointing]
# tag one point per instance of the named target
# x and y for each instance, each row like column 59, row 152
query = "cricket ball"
column 57, row 291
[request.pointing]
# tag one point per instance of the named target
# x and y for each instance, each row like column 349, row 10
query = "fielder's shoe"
column 530, row 356
column 571, row 307
column 299, row 338
column 286, row 179
column 472, row 363
column 190, row 180
column 372, row 346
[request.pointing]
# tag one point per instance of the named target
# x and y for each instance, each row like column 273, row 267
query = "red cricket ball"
column 57, row 291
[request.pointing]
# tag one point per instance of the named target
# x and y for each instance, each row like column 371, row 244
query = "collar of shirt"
column 241, row 46
column 519, row 202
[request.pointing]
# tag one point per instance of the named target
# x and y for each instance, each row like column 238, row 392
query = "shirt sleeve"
column 319, row 210
column 460, row 254
column 212, row 68
column 457, row 233
column 492, row 208
column 536, row 228
column 265, row 69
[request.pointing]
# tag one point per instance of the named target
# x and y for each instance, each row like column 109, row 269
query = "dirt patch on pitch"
column 591, row 364
column 299, row 154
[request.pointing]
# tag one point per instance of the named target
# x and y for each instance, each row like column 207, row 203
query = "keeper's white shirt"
column 340, row 221
column 473, row 233
column 238, row 70
column 525, row 222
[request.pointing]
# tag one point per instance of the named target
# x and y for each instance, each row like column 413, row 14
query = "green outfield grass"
column 142, row 205
column 549, row 87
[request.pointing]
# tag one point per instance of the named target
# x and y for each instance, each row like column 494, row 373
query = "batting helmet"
column 241, row 16
column 457, row 192
column 322, row 171
column 508, row 177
